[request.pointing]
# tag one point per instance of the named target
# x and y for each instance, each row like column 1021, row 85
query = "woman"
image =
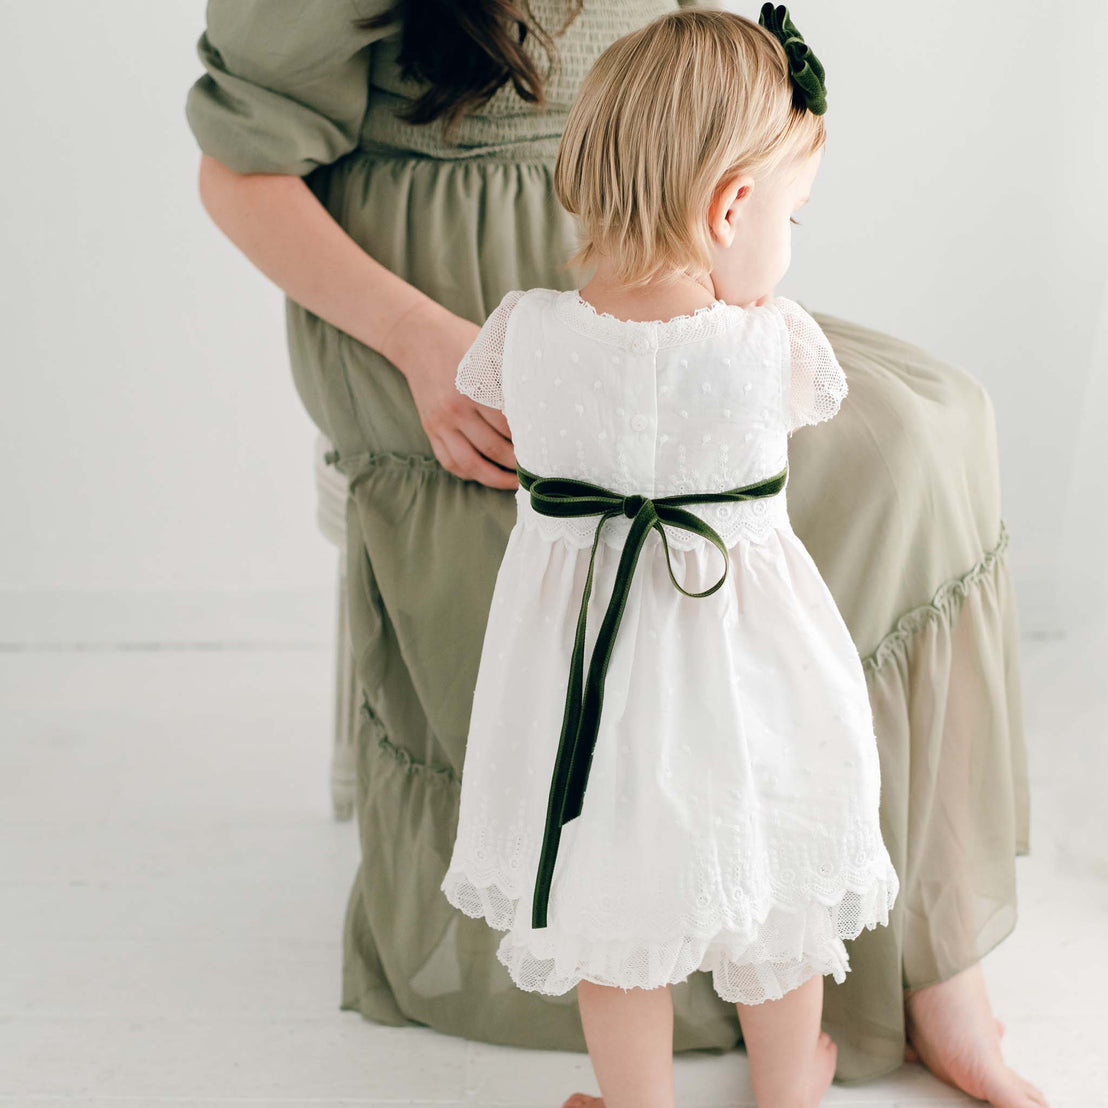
column 328, row 162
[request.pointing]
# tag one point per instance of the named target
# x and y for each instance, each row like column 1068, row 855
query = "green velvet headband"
column 805, row 70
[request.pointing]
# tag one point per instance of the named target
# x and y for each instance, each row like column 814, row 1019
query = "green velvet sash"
column 564, row 496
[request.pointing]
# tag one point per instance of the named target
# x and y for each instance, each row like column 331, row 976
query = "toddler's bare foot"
column 957, row 1038
column 823, row 1069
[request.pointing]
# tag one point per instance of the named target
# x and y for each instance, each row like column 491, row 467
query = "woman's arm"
column 278, row 223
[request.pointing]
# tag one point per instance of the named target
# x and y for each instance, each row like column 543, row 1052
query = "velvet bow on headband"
column 805, row 70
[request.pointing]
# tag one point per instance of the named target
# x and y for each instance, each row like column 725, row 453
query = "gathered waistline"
column 753, row 520
column 528, row 154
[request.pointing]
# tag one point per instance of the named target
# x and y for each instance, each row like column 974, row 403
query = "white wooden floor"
column 172, row 888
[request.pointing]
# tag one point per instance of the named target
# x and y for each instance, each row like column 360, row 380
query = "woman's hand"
column 426, row 344
column 281, row 226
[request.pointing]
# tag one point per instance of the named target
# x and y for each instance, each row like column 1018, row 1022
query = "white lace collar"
column 578, row 313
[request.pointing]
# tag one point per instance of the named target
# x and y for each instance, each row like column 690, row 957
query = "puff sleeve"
column 286, row 83
column 479, row 373
column 816, row 382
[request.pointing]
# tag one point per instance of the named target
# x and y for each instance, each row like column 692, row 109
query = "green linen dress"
column 896, row 499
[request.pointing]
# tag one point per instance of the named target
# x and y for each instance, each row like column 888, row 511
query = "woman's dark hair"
column 465, row 50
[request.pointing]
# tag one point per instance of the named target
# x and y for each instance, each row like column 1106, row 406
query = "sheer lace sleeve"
column 478, row 373
column 817, row 382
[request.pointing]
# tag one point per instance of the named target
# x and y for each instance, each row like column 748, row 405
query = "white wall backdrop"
column 151, row 442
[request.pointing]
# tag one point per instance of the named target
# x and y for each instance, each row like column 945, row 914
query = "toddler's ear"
column 726, row 207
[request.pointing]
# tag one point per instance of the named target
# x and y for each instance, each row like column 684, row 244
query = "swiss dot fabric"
column 731, row 817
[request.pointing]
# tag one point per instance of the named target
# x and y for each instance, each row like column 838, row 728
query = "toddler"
column 671, row 764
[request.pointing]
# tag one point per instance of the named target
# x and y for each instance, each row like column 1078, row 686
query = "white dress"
column 730, row 821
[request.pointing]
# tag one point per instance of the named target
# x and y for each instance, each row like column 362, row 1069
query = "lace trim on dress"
column 750, row 974
column 769, row 942
column 479, row 372
column 705, row 322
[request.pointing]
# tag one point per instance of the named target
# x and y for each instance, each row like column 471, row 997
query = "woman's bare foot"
column 910, row 1054
column 955, row 1035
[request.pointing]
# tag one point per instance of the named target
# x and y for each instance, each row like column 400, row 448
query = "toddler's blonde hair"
column 664, row 115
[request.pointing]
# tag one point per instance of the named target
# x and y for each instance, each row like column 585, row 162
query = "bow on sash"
column 563, row 496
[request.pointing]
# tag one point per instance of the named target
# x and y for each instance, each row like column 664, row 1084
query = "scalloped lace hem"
column 787, row 948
